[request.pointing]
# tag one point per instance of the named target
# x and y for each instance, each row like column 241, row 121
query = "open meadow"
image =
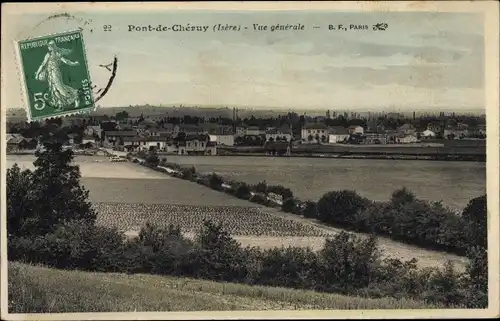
column 126, row 196
column 40, row 289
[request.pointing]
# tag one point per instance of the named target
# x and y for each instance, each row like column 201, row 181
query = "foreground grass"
column 35, row 289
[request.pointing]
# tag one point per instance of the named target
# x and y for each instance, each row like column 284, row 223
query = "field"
column 39, row 289
column 126, row 196
column 247, row 221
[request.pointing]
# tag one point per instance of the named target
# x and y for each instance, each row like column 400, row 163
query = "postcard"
column 249, row 160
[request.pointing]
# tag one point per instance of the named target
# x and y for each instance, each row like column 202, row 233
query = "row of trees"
column 403, row 218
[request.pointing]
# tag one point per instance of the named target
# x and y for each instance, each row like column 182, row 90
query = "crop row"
column 245, row 221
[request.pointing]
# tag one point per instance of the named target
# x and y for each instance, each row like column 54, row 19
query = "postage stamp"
column 56, row 75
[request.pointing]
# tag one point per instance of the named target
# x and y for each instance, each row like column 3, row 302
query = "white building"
column 197, row 145
column 356, row 129
column 254, row 130
column 428, row 133
column 91, row 130
column 283, row 134
column 337, row 135
column 221, row 139
column 406, row 139
column 314, row 133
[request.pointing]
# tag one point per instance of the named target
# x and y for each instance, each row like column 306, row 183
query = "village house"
column 16, row 142
column 222, row 135
column 406, row 138
column 254, row 131
column 277, row 148
column 478, row 131
column 240, row 131
column 152, row 132
column 87, row 139
column 436, row 128
column 93, row 130
column 455, row 130
column 283, row 133
column 407, row 129
column 377, row 136
column 338, row 134
column 117, row 138
column 355, row 129
column 428, row 134
column 145, row 143
column 198, row 144
column 314, row 133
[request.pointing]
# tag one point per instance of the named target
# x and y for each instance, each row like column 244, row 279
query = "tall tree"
column 50, row 195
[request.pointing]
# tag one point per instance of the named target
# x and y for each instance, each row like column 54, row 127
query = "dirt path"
column 390, row 248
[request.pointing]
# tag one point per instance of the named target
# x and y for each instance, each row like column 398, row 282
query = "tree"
column 41, row 200
column 323, row 138
column 310, row 138
column 476, row 220
column 152, row 157
column 342, row 207
column 316, row 138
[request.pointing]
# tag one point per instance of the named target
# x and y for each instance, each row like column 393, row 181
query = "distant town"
column 283, row 134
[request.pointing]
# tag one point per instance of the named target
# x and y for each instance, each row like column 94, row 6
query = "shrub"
column 475, row 216
column 219, row 256
column 242, row 191
column 293, row 267
column 163, row 249
column 402, row 196
column 280, row 190
column 259, row 199
column 188, row 173
column 73, row 245
column 215, row 181
column 261, row 187
column 289, row 205
column 152, row 158
column 341, row 207
column 347, row 262
column 309, row 209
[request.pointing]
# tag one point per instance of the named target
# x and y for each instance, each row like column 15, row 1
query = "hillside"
column 39, row 289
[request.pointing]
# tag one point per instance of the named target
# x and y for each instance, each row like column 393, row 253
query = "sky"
column 422, row 60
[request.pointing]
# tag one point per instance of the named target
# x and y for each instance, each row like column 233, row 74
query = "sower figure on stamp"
column 61, row 95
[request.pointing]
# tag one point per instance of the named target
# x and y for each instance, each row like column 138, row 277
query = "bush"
column 219, row 256
column 73, row 245
column 261, row 187
column 260, row 199
column 341, row 207
column 289, row 205
column 152, row 158
column 215, row 182
column 293, row 267
column 309, row 209
column 475, row 216
column 242, row 191
column 188, row 173
column 280, row 190
column 347, row 262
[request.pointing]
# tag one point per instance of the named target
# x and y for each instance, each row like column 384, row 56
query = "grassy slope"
column 40, row 289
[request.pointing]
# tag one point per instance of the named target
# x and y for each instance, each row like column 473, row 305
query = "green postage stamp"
column 56, row 75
